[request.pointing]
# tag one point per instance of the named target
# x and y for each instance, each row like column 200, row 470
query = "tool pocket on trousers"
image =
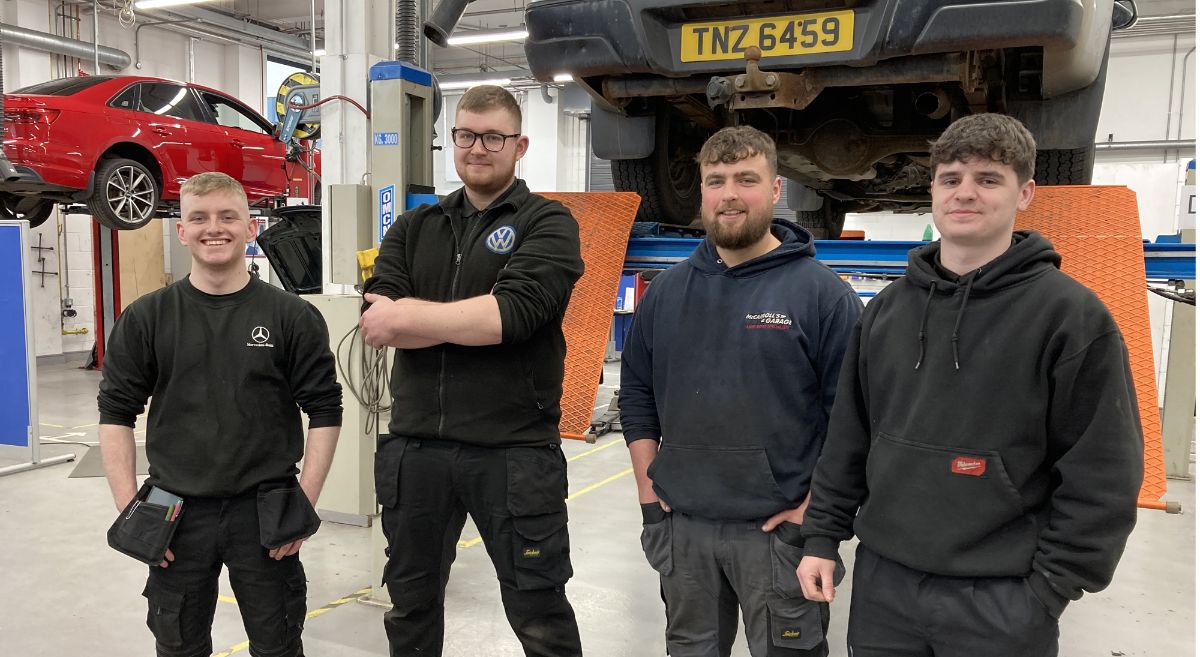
column 541, row 551
column 389, row 454
column 787, row 548
column 284, row 514
column 796, row 623
column 295, row 605
column 537, row 480
column 656, row 538
column 163, row 617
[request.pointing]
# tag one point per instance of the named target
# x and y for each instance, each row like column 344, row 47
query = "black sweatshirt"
column 524, row 250
column 985, row 426
column 228, row 376
column 736, row 368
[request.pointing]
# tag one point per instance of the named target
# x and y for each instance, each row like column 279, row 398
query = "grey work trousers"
column 708, row 569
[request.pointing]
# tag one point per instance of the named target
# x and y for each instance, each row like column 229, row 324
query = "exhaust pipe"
column 447, row 14
column 934, row 104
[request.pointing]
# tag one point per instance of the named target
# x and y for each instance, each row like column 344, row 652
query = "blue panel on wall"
column 14, row 402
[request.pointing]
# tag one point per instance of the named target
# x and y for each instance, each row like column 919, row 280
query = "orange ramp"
column 605, row 219
column 1098, row 233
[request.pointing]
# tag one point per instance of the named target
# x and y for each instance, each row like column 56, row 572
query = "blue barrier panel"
column 15, row 353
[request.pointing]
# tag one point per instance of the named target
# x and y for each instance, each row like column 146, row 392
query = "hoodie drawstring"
column 924, row 324
column 962, row 308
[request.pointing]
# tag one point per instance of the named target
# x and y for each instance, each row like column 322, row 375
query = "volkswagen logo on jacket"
column 502, row 240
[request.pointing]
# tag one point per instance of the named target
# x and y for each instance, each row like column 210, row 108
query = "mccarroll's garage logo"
column 777, row 321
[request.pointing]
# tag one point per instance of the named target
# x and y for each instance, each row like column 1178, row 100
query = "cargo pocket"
column 163, row 617
column 537, row 480
column 388, row 456
column 796, row 623
column 284, row 514
column 295, row 606
column 541, row 551
column 787, row 548
column 656, row 538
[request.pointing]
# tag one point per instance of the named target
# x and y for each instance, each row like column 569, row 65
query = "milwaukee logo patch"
column 973, row 466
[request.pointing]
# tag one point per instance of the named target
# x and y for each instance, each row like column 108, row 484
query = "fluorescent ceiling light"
column 467, row 84
column 469, row 38
column 319, row 52
column 563, row 77
column 158, row 4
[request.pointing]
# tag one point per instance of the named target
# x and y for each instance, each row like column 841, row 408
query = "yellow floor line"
column 84, row 426
column 51, row 424
column 596, row 449
column 315, row 612
column 227, row 598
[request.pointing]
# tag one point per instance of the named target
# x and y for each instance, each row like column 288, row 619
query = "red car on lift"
column 123, row 145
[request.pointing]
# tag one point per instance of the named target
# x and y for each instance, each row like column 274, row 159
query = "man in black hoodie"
column 471, row 292
column 727, row 379
column 985, row 445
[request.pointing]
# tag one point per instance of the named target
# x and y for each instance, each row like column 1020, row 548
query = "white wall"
column 1146, row 89
column 235, row 69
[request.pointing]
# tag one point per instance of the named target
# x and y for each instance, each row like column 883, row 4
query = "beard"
column 734, row 237
column 489, row 179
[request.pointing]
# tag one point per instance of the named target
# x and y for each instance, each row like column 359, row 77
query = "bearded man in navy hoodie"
column 985, row 444
column 727, row 380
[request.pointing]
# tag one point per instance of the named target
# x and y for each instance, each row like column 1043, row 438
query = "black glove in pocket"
column 144, row 529
column 284, row 514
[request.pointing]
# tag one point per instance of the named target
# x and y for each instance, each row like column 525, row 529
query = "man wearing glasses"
column 471, row 293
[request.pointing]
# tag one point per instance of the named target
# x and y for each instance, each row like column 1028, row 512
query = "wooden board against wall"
column 141, row 254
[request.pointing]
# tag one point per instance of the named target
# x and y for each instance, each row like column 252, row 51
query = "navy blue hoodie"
column 985, row 426
column 735, row 369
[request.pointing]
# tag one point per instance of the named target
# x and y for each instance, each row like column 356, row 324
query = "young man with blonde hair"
column 229, row 362
column 727, row 378
column 471, row 292
column 985, row 445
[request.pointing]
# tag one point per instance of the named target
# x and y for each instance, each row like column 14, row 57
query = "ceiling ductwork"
column 59, row 45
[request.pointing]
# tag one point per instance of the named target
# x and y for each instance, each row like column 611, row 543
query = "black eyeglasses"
column 492, row 141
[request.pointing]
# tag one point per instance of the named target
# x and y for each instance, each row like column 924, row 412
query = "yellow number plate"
column 779, row 36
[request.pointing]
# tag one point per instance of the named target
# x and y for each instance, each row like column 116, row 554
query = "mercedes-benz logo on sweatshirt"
column 261, row 337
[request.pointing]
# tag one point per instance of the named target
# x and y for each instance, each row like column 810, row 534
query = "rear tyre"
column 26, row 208
column 126, row 195
column 1065, row 167
column 668, row 180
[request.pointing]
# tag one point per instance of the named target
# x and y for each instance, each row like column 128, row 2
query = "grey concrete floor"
column 65, row 593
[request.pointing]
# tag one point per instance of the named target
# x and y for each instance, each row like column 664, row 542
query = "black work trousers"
column 899, row 612
column 516, row 497
column 183, row 596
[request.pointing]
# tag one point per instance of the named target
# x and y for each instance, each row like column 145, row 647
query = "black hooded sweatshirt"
column 985, row 425
column 735, row 368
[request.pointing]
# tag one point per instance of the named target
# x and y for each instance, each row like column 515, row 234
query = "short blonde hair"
column 206, row 183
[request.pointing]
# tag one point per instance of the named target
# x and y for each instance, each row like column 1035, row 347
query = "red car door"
column 257, row 157
column 173, row 121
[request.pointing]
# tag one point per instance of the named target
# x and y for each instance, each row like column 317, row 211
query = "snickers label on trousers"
column 973, row 466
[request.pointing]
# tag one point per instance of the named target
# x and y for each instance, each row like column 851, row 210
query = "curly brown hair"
column 989, row 136
column 736, row 143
